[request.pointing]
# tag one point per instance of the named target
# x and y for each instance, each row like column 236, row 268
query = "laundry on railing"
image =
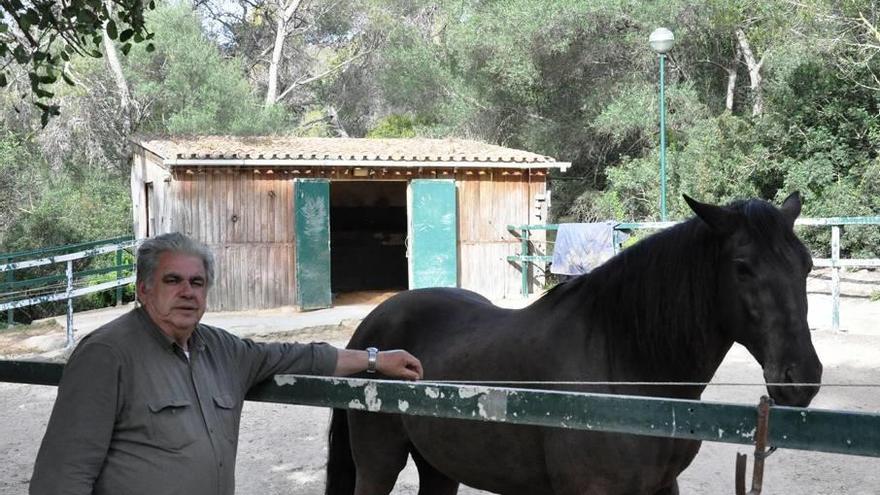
column 580, row 247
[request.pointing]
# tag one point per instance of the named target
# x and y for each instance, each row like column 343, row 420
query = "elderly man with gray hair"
column 150, row 403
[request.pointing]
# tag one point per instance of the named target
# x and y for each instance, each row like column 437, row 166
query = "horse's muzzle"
column 786, row 393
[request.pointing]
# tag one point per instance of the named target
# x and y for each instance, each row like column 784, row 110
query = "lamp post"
column 661, row 41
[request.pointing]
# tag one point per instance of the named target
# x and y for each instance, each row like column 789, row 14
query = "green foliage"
column 399, row 126
column 19, row 179
column 393, row 126
column 314, row 123
column 192, row 88
column 711, row 159
column 823, row 137
column 69, row 209
column 41, row 36
column 106, row 298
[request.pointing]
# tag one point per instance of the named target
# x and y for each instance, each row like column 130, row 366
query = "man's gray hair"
column 149, row 252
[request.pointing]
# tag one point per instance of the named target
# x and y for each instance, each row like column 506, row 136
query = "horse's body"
column 666, row 309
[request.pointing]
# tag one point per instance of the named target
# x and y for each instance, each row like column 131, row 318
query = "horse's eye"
column 743, row 270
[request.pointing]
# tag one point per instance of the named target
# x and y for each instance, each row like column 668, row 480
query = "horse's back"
column 412, row 316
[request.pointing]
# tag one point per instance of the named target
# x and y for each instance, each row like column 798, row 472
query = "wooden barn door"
column 312, row 227
column 433, row 233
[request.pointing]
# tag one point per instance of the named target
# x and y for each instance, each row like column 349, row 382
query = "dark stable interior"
column 367, row 236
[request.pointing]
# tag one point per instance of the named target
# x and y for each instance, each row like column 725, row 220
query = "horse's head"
column 762, row 287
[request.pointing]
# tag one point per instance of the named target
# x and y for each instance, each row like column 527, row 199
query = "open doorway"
column 368, row 228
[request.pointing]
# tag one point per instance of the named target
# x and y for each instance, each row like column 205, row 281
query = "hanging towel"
column 580, row 247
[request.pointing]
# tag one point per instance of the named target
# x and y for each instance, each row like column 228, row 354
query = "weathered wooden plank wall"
column 488, row 202
column 245, row 217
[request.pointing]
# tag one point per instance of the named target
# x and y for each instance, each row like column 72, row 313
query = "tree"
column 43, row 35
column 291, row 48
column 19, row 179
column 187, row 86
column 851, row 37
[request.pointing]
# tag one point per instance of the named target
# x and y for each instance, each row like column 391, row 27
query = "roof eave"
column 238, row 162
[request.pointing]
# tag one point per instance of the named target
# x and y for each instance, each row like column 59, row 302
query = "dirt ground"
column 283, row 448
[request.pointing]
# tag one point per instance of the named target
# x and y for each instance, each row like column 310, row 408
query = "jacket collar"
column 196, row 340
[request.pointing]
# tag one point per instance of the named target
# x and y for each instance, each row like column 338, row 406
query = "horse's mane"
column 658, row 297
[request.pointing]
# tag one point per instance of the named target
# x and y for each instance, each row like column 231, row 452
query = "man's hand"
column 399, row 364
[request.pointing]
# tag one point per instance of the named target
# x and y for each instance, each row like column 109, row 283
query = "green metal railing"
column 65, row 249
column 17, row 292
column 818, row 430
column 835, row 262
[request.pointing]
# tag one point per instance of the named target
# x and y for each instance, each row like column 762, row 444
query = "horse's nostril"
column 789, row 375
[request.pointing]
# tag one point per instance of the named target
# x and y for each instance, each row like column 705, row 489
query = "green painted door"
column 311, row 207
column 433, row 234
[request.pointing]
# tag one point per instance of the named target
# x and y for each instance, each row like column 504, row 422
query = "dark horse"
column 666, row 309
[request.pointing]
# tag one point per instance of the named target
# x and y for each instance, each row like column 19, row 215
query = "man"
column 150, row 403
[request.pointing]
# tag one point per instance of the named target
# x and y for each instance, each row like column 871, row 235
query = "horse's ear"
column 720, row 220
column 791, row 207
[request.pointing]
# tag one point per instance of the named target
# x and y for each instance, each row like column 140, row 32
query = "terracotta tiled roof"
column 174, row 150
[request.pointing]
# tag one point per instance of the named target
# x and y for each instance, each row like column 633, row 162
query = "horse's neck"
column 658, row 305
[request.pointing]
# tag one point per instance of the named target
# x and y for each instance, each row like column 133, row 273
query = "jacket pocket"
column 172, row 423
column 228, row 415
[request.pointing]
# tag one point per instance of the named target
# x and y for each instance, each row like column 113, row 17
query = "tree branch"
column 303, row 82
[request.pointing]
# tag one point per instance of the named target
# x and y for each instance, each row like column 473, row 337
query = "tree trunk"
column 731, row 79
column 334, row 121
column 754, row 67
column 115, row 67
column 284, row 16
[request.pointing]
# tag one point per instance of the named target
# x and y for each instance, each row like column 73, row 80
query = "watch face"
column 372, row 355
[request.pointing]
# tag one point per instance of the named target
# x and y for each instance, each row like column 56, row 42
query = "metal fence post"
column 835, row 278
column 118, row 276
column 10, row 277
column 524, row 248
column 69, row 303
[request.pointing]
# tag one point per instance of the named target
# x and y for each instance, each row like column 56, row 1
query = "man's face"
column 175, row 296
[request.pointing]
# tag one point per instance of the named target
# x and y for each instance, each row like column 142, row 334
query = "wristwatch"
column 372, row 358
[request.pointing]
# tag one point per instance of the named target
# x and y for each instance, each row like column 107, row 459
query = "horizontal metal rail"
column 644, row 225
column 60, row 296
column 63, row 249
column 793, row 428
column 67, row 257
column 829, row 221
column 42, row 281
column 849, row 263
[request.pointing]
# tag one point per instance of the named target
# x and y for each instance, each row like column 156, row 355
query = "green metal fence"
column 524, row 258
column 22, row 287
column 790, row 427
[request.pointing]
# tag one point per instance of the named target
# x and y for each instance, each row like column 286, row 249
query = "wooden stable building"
column 293, row 220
